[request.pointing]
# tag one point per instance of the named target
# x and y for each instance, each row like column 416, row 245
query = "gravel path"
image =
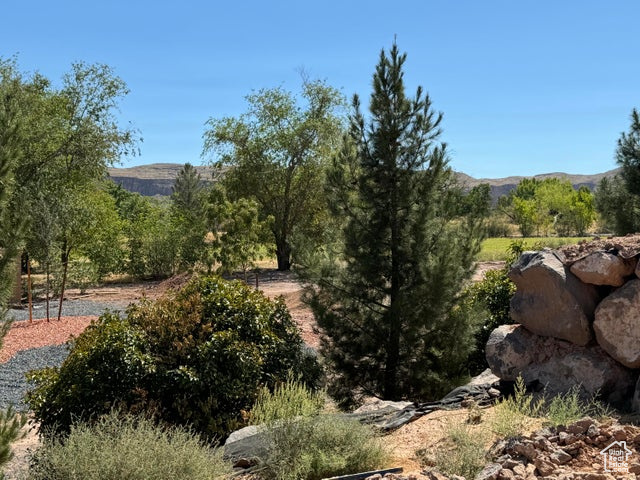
column 13, row 384
column 70, row 308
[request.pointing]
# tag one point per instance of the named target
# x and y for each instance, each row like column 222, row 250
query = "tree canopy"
column 541, row 206
column 276, row 153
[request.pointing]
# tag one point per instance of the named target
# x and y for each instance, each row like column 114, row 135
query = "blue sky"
column 526, row 87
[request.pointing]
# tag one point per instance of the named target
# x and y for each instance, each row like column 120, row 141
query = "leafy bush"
column 493, row 294
column 197, row 358
column 126, row 448
column 322, row 446
column 290, row 399
column 301, row 443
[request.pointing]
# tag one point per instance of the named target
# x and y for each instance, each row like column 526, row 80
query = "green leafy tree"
column 11, row 131
column 541, row 206
column 388, row 302
column 240, row 235
column 277, row 153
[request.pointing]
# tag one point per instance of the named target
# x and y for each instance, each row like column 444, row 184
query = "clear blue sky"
column 526, row 87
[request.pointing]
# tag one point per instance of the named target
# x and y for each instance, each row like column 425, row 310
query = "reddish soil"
column 39, row 333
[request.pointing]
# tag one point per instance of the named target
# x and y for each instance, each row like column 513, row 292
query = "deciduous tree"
column 276, row 153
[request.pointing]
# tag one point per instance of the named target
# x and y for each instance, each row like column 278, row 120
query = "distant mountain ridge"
column 153, row 179
column 157, row 179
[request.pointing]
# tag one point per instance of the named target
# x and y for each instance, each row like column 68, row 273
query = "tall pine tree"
column 388, row 303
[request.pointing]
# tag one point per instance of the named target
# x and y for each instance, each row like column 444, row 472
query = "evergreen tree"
column 618, row 198
column 11, row 226
column 188, row 216
column 187, row 189
column 388, row 302
column 628, row 155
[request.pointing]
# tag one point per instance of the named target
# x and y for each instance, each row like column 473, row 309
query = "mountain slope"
column 158, row 178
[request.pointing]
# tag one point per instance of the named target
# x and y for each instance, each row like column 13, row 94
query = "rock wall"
column 577, row 314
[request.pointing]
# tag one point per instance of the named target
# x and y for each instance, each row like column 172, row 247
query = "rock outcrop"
column 617, row 324
column 550, row 300
column 557, row 365
column 603, row 268
column 577, row 314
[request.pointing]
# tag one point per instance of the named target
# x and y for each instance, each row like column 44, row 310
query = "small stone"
column 619, row 434
column 581, row 426
column 593, row 431
column 527, row 450
column 567, row 438
column 634, row 468
column 544, row 467
column 494, row 392
column 530, row 469
column 542, row 443
column 519, row 470
column 511, row 464
column 435, row 475
column 601, row 439
column 490, row 472
column 597, row 476
column 506, row 474
column 560, row 457
column 377, row 476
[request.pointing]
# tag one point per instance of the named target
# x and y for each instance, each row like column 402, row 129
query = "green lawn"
column 496, row 248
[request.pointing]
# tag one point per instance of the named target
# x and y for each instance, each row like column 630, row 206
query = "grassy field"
column 496, row 248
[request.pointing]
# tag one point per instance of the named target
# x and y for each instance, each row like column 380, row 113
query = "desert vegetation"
column 363, row 207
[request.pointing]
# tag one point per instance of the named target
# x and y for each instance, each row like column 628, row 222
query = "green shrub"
column 513, row 414
column 289, row 399
column 11, row 429
column 464, row 453
column 105, row 367
column 197, row 358
column 129, row 448
column 301, row 443
column 321, row 446
column 571, row 406
column 492, row 294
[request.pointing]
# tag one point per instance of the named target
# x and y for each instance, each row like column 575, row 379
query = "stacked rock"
column 577, row 321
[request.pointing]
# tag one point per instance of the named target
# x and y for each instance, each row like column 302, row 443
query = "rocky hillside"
column 502, row 186
column 153, row 179
column 157, row 179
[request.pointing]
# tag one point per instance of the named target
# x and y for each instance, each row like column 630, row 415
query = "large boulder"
column 603, row 268
column 555, row 364
column 509, row 350
column 550, row 300
column 617, row 324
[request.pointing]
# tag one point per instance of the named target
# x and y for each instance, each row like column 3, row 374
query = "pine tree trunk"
column 395, row 325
